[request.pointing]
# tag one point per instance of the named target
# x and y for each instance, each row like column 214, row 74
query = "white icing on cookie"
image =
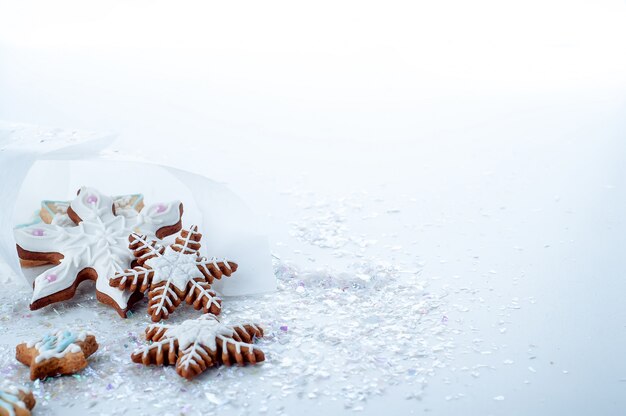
column 57, row 345
column 62, row 220
column 125, row 205
column 203, row 330
column 179, row 265
column 176, row 267
column 194, row 335
column 194, row 338
column 99, row 241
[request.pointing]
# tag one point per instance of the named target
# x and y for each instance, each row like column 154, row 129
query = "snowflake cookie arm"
column 40, row 242
column 60, row 280
column 188, row 242
column 235, row 346
column 156, row 332
column 194, row 360
column 211, row 269
column 136, row 279
column 237, row 352
column 163, row 349
column 162, row 352
column 90, row 205
column 139, row 277
column 143, row 248
column 247, row 332
column 161, row 219
column 200, row 296
column 162, row 300
column 58, row 245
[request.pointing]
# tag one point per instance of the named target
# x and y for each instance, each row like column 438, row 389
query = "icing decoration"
column 173, row 273
column 10, row 399
column 197, row 344
column 55, row 212
column 38, row 232
column 99, row 241
column 57, row 345
column 62, row 220
column 58, row 353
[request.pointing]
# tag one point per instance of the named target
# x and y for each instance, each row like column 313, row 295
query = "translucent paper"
column 39, row 164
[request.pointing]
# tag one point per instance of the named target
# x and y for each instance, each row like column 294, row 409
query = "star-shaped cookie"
column 62, row 352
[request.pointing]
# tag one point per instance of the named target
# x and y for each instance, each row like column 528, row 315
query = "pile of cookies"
column 118, row 243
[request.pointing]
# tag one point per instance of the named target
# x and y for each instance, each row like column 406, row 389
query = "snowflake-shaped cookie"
column 55, row 212
column 198, row 344
column 95, row 249
column 173, row 273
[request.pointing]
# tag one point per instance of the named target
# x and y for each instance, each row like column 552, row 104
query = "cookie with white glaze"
column 95, row 249
column 16, row 401
column 55, row 212
column 174, row 273
column 58, row 353
column 198, row 344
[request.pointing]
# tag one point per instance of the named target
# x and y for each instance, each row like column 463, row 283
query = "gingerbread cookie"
column 173, row 273
column 95, row 249
column 16, row 401
column 55, row 212
column 198, row 344
column 63, row 352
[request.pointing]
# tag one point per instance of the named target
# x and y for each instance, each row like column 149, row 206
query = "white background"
column 502, row 121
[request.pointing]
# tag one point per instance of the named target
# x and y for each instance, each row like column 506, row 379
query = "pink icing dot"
column 51, row 277
column 92, row 199
column 37, row 232
column 160, row 208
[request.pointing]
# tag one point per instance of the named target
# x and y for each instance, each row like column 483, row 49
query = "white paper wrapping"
column 38, row 164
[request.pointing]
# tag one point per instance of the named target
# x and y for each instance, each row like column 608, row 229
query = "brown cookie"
column 198, row 344
column 94, row 249
column 56, row 212
column 16, row 401
column 173, row 274
column 63, row 352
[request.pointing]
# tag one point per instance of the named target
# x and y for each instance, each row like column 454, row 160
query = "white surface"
column 489, row 139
